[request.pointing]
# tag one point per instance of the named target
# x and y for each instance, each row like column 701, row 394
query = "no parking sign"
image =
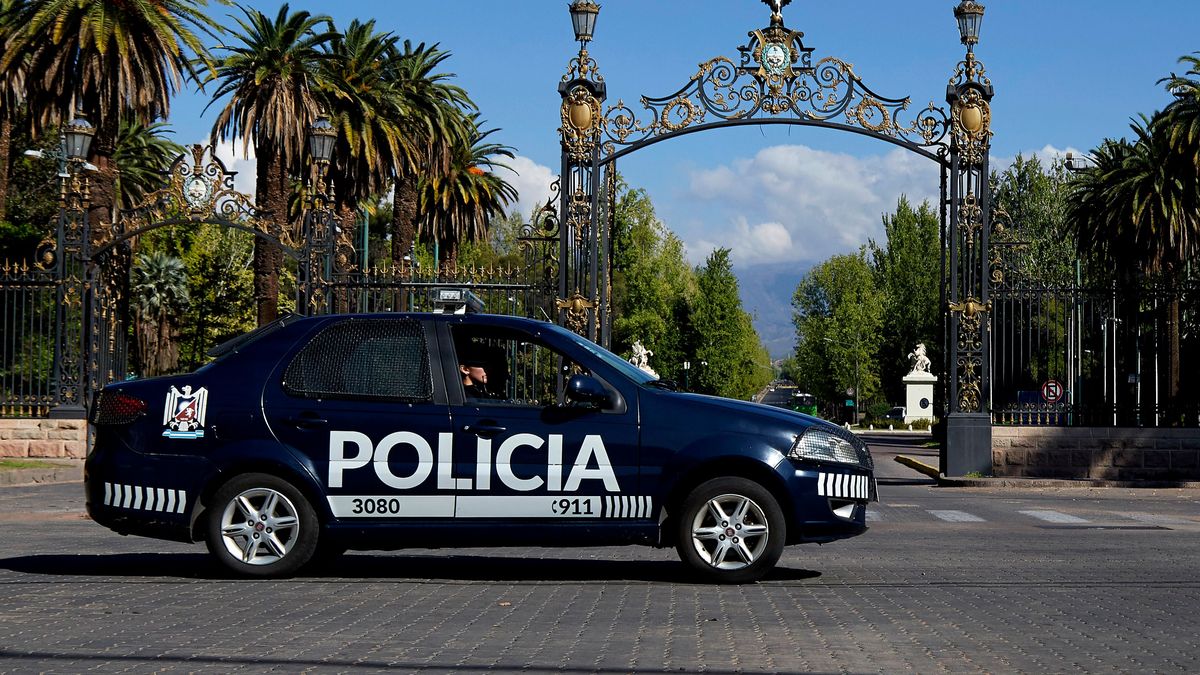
column 1052, row 391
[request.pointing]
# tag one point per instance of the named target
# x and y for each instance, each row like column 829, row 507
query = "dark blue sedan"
column 314, row 435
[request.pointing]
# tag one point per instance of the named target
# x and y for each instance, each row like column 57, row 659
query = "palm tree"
column 429, row 109
column 271, row 78
column 110, row 61
column 159, row 297
column 361, row 103
column 12, row 89
column 1182, row 116
column 1136, row 207
column 143, row 157
column 458, row 204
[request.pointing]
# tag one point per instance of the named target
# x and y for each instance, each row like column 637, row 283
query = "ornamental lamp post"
column 321, row 137
column 583, row 20
column 77, row 138
column 320, row 230
column 969, row 15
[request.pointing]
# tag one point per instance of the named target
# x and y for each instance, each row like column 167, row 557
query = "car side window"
column 377, row 359
column 504, row 367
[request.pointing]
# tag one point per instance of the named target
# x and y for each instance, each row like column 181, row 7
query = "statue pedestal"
column 918, row 398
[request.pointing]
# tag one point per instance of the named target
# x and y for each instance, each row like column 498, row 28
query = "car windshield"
column 627, row 369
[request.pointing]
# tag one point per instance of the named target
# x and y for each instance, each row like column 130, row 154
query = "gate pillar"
column 968, row 446
column 71, row 253
column 582, row 275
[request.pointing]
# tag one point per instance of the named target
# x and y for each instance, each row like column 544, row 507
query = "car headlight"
column 820, row 445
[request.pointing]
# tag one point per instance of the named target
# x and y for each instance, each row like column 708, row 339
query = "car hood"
column 729, row 414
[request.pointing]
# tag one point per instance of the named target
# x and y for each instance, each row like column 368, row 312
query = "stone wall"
column 43, row 438
column 1097, row 453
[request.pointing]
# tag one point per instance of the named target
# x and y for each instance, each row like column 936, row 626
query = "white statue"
column 920, row 362
column 641, row 358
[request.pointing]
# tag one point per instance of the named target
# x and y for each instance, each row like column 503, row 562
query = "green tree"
column 359, row 99
column 838, row 313
column 271, row 77
column 907, row 270
column 430, row 111
column 32, row 198
column 143, row 156
column 1136, row 208
column 112, row 61
column 724, row 337
column 12, row 89
column 1181, row 119
column 652, row 286
column 160, row 295
column 458, row 204
column 220, row 290
column 1029, row 203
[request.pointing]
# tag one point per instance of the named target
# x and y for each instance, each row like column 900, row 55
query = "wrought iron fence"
column 27, row 315
column 517, row 291
column 1068, row 356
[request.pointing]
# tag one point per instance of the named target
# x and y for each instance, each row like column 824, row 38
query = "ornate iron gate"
column 773, row 80
column 66, row 316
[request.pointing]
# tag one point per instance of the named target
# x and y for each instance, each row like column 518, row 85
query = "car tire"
column 730, row 530
column 260, row 525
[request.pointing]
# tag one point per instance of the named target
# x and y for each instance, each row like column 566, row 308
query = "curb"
column 70, row 471
column 922, row 467
column 944, row 481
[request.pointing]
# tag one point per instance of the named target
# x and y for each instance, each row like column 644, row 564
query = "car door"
column 358, row 403
column 525, row 453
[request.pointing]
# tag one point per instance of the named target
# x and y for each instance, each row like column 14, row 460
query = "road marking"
column 873, row 517
column 1053, row 516
column 956, row 517
column 1158, row 519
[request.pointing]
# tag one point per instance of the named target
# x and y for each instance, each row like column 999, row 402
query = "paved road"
column 947, row 580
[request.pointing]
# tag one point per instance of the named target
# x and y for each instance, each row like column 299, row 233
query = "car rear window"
column 381, row 359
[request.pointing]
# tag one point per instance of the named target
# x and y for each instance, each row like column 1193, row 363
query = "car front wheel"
column 730, row 530
column 260, row 525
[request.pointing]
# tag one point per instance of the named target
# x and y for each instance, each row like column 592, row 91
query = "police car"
column 311, row 436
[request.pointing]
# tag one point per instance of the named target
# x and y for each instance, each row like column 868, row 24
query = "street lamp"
column 970, row 16
column 583, row 20
column 321, row 138
column 77, row 138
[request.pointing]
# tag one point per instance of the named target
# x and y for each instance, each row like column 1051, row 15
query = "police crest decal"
column 183, row 414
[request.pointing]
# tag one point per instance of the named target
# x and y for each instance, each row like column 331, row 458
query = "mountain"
column 767, row 295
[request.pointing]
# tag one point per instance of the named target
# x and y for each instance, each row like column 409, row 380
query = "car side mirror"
column 587, row 389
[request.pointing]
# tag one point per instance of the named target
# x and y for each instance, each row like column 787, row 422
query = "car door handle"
column 484, row 430
column 308, row 421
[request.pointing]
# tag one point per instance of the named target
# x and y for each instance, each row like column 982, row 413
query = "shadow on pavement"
column 370, row 566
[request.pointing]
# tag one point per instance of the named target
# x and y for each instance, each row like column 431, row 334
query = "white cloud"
column 532, row 182
column 246, row 166
column 791, row 203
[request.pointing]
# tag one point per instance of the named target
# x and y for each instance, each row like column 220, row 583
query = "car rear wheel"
column 731, row 530
column 260, row 525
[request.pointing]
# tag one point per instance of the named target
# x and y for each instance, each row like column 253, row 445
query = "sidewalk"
column 62, row 471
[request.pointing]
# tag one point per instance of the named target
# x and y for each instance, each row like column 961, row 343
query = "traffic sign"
column 1052, row 391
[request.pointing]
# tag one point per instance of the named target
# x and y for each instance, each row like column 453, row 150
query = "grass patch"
column 931, row 444
column 7, row 464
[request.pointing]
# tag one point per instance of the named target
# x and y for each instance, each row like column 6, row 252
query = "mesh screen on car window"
column 363, row 358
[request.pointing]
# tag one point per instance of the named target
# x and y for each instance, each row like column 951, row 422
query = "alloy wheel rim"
column 259, row 526
column 730, row 532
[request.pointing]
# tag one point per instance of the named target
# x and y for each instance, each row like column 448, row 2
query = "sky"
column 1067, row 74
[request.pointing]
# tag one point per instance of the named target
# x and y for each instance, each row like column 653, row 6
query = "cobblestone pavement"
column 1108, row 584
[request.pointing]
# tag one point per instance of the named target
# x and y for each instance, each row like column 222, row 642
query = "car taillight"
column 114, row 407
